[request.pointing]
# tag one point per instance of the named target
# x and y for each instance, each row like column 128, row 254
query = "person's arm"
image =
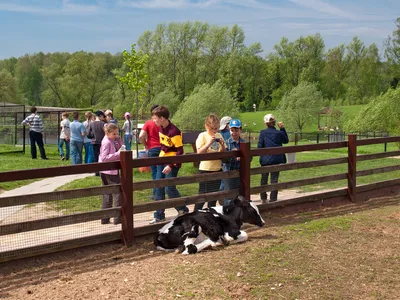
column 285, row 138
column 201, row 145
column 41, row 127
column 83, row 130
column 105, row 153
column 143, row 138
column 260, row 141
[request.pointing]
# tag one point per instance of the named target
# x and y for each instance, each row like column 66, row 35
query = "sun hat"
column 225, row 120
column 127, row 114
column 235, row 123
column 269, row 118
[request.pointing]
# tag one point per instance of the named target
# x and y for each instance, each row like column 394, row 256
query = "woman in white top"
column 127, row 129
column 207, row 142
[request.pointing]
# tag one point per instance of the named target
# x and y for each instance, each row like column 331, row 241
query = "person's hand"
column 237, row 158
column 167, row 170
column 281, row 125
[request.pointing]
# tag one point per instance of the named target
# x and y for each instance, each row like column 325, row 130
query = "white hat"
column 224, row 121
column 269, row 118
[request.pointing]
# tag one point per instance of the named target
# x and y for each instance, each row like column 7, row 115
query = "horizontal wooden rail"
column 187, row 200
column 59, row 221
column 304, row 199
column 60, row 246
column 148, row 184
column 378, row 170
column 300, row 148
column 143, row 162
column 296, row 183
column 58, row 171
column 59, row 195
column 362, row 157
column 391, row 139
column 298, row 165
column 377, row 185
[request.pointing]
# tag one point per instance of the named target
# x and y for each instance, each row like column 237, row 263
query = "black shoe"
column 273, row 200
column 45, row 158
column 105, row 221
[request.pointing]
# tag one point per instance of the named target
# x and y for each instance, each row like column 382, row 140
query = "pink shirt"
column 153, row 137
column 109, row 152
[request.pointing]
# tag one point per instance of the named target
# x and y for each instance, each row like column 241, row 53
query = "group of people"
column 162, row 138
column 99, row 136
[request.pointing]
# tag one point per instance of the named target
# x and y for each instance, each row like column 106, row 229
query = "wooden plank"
column 378, row 170
column 300, row 148
column 392, row 139
column 148, row 184
column 304, row 199
column 377, row 185
column 298, row 165
column 59, row 221
column 144, row 162
column 152, row 206
column 352, row 167
column 296, row 183
column 377, row 155
column 59, row 246
column 57, row 171
column 245, row 166
column 58, row 195
column 127, row 197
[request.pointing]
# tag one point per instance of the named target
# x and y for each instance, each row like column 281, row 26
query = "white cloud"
column 67, row 7
column 325, row 8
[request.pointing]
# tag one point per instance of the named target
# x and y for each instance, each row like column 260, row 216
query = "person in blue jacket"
column 271, row 137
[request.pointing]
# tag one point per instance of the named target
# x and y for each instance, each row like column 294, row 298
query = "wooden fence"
column 128, row 207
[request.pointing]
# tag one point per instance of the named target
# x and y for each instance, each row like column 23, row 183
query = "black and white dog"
column 217, row 225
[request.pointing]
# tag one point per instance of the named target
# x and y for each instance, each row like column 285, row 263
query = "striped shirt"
column 35, row 123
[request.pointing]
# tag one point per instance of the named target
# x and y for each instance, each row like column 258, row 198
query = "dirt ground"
column 347, row 252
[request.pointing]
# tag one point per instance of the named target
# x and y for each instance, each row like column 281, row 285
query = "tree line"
column 185, row 58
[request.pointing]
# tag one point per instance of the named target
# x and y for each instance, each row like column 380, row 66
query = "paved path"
column 41, row 186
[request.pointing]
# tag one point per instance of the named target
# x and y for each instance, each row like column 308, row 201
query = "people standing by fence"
column 150, row 138
column 78, row 131
column 233, row 163
column 87, row 143
column 271, row 137
column 208, row 142
column 96, row 134
column 110, row 151
column 64, row 136
column 171, row 145
column 36, row 133
column 127, row 130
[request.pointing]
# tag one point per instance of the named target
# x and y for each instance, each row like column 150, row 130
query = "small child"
column 110, row 151
column 208, row 142
column 233, row 143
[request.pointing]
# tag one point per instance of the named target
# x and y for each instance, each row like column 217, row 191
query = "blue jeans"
column 171, row 191
column 264, row 181
column 128, row 141
column 231, row 184
column 88, row 152
column 60, row 148
column 154, row 152
column 76, row 152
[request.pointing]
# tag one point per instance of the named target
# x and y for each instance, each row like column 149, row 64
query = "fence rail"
column 128, row 185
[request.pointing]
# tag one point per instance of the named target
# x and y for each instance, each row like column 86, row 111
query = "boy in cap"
column 271, row 137
column 233, row 163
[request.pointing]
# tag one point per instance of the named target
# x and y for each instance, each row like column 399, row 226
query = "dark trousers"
column 208, row 187
column 36, row 137
column 264, row 181
column 107, row 179
column 96, row 153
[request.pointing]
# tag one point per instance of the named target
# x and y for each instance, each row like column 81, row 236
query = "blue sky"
column 113, row 25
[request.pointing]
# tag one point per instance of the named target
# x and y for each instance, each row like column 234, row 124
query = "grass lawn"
column 255, row 122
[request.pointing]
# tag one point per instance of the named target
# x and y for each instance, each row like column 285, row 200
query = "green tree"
column 168, row 99
column 301, row 106
column 8, row 87
column 392, row 53
column 205, row 99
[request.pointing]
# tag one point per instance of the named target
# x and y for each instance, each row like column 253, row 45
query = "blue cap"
column 235, row 123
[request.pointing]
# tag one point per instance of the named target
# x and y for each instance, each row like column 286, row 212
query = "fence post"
column 245, row 165
column 127, row 197
column 318, row 138
column 352, row 167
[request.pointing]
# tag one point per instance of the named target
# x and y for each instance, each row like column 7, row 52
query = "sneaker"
column 155, row 220
column 62, row 158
